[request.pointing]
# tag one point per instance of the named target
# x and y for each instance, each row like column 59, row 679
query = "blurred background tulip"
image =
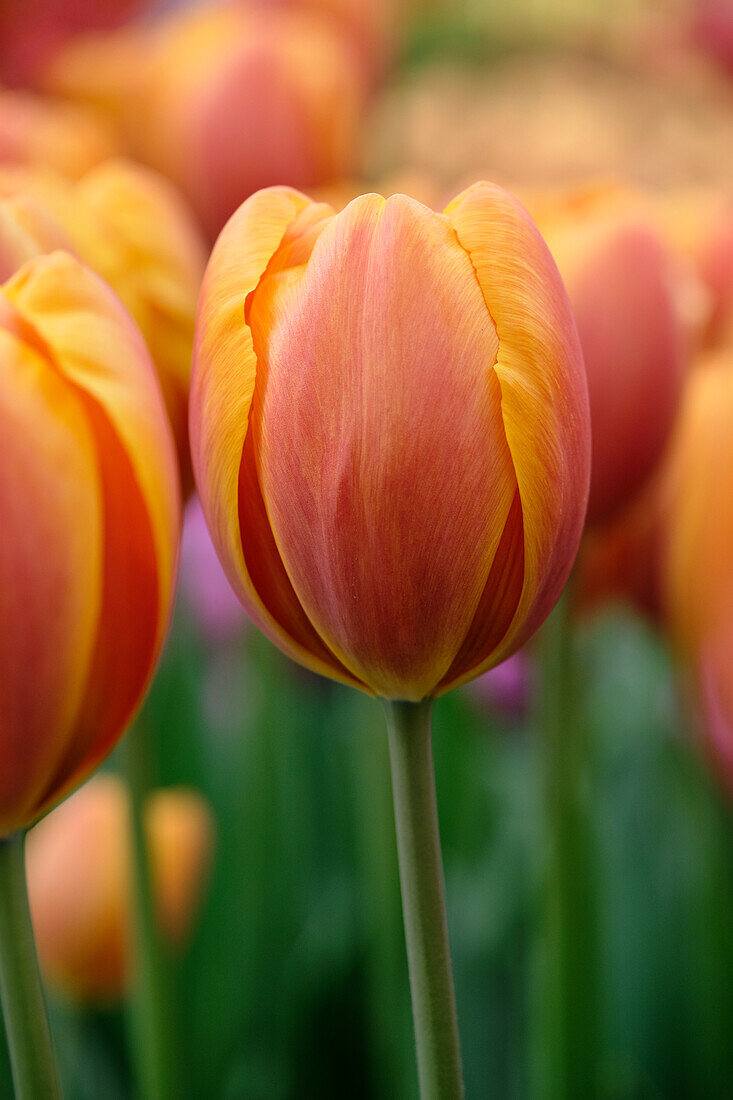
column 327, row 442
column 37, row 130
column 225, row 99
column 91, row 510
column 32, row 30
column 698, row 550
column 625, row 288
column 80, row 882
column 134, row 230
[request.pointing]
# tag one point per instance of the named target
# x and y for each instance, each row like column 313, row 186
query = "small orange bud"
column 79, row 863
column 698, row 551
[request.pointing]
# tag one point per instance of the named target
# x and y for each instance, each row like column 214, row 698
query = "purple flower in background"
column 507, row 689
column 203, row 583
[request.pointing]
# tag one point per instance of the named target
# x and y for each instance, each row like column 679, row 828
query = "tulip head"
column 90, row 510
column 390, row 432
column 133, row 229
column 79, row 864
column 625, row 290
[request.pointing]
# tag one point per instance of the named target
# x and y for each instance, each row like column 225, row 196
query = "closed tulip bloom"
column 80, row 881
column 390, row 432
column 90, row 510
column 626, row 290
column 133, row 229
column 225, row 100
column 39, row 131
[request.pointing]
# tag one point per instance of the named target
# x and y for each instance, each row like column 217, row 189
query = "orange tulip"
column 131, row 227
column 698, row 552
column 90, row 514
column 225, row 100
column 626, row 291
column 37, row 131
column 389, row 431
column 80, row 881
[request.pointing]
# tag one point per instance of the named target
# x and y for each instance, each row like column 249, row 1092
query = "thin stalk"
column 24, row 1006
column 154, row 1045
column 423, row 901
column 568, row 1026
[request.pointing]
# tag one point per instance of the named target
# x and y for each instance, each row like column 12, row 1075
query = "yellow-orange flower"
column 225, row 99
column 129, row 225
column 90, row 515
column 80, row 881
column 629, row 298
column 390, row 431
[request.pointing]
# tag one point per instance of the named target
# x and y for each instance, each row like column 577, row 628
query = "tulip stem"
column 423, row 901
column 567, row 1051
column 153, row 1001
column 24, row 1006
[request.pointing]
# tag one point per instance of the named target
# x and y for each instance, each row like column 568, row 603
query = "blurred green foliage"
column 295, row 984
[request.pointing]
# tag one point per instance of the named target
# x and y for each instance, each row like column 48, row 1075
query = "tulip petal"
column 379, row 440
column 544, row 397
column 50, row 600
column 222, row 387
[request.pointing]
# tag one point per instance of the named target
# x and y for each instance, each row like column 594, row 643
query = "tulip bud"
column 37, row 131
column 130, row 226
column 90, row 514
column 698, row 551
column 390, row 432
column 79, row 863
column 225, row 100
column 624, row 287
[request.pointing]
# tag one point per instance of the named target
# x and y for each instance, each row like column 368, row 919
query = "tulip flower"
column 310, row 415
column 131, row 227
column 698, row 550
column 626, row 289
column 90, row 508
column 225, row 99
column 80, row 881
column 39, row 131
column 390, row 439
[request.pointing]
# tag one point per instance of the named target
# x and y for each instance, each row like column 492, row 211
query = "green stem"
column 24, row 1006
column 423, row 901
column 153, row 1002
column 568, row 1026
